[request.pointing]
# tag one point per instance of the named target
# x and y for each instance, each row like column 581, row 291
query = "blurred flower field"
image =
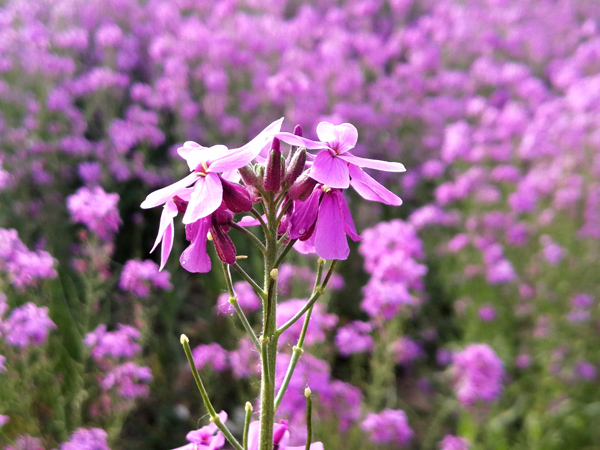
column 466, row 318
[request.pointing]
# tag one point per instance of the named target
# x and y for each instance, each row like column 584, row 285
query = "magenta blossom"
column 337, row 168
column 206, row 163
column 281, row 437
column 195, row 259
column 323, row 221
column 206, row 438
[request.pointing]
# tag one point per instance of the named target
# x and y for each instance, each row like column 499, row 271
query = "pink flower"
column 281, row 437
column 337, row 168
column 206, row 163
column 206, row 438
column 323, row 221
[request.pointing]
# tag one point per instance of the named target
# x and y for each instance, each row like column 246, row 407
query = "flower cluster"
column 23, row 267
column 139, row 276
column 478, row 374
column 27, row 325
column 313, row 212
column 87, row 439
column 95, row 209
column 389, row 426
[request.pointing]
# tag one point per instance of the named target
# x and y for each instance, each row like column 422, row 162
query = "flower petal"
column 239, row 157
column 300, row 141
column 161, row 196
column 253, row 435
column 306, row 247
column 167, row 245
column 206, row 198
column 194, row 258
column 305, row 214
column 330, row 170
column 341, row 138
column 369, row 189
column 330, row 238
column 349, row 227
column 373, row 163
column 195, row 154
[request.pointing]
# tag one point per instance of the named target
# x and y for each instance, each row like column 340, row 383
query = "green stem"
column 311, row 301
column 284, row 252
column 249, row 235
column 233, row 300
column 269, row 336
column 298, row 349
column 247, row 424
column 214, row 417
column 258, row 217
column 261, row 293
column 308, row 418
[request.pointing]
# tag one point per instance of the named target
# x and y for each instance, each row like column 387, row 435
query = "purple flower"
column 25, row 442
column 407, row 350
column 206, row 438
column 117, row 344
column 553, row 253
column 206, row 164
column 319, row 324
column 281, row 437
column 211, row 355
column 454, row 443
column 27, row 325
column 247, row 299
column 129, row 379
column 138, row 276
column 478, row 374
column 96, row 209
column 336, row 165
column 87, row 439
column 354, row 338
column 487, row 313
column 388, row 426
column 4, row 420
column 324, row 220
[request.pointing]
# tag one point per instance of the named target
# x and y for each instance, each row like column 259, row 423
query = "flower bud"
column 248, row 176
column 298, row 130
column 295, row 167
column 223, row 244
column 302, row 188
column 272, row 182
column 236, row 197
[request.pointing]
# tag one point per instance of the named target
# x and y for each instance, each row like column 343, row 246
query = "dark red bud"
column 298, row 130
column 295, row 167
column 248, row 176
column 222, row 215
column 236, row 197
column 223, row 244
column 302, row 188
column 272, row 182
column 181, row 204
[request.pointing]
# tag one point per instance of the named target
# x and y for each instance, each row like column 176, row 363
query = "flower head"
column 206, row 438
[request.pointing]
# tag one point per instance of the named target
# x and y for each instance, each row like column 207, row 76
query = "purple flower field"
column 443, row 155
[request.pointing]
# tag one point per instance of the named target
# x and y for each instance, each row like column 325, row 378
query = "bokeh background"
column 471, row 310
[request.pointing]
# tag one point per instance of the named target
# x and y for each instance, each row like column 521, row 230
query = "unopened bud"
column 248, row 176
column 233, row 300
column 295, row 167
column 223, row 244
column 307, row 392
column 321, row 261
column 259, row 170
column 274, row 273
column 302, row 188
column 249, row 406
column 298, row 130
column 236, row 197
column 272, row 181
column 184, row 339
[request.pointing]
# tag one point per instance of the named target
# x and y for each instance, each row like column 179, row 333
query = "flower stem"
column 214, row 417
column 233, row 300
column 311, row 301
column 308, row 418
column 249, row 235
column 261, row 293
column 247, row 424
